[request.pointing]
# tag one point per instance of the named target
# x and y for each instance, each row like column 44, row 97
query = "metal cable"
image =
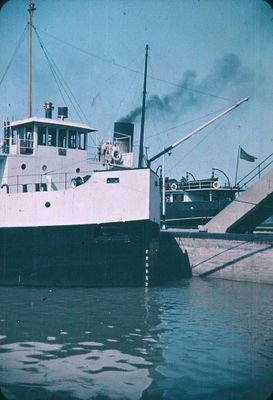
column 14, row 54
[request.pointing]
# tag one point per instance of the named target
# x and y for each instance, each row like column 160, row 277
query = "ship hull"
column 191, row 214
column 93, row 255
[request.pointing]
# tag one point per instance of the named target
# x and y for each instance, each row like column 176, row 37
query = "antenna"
column 31, row 9
column 141, row 140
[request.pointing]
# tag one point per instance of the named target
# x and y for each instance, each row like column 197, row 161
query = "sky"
column 204, row 55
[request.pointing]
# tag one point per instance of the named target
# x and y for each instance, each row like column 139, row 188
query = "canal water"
column 194, row 340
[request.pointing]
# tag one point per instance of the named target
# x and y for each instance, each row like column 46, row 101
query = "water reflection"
column 77, row 343
column 194, row 340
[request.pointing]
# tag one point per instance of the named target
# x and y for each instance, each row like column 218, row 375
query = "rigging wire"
column 185, row 123
column 20, row 41
column 59, row 79
column 201, row 140
column 52, row 70
column 114, row 63
column 61, row 82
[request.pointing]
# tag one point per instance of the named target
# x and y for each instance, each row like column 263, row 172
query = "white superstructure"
column 42, row 154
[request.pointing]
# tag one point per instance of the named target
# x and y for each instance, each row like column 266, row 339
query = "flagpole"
column 237, row 165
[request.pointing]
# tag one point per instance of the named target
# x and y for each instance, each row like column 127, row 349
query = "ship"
column 68, row 218
column 192, row 202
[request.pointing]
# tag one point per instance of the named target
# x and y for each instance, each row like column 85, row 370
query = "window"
column 41, row 135
column 62, row 142
column 24, row 188
column 14, row 135
column 82, row 141
column 72, row 135
column 51, row 137
column 29, row 139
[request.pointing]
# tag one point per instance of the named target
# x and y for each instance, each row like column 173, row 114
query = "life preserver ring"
column 77, row 181
column 116, row 154
column 174, row 186
column 216, row 185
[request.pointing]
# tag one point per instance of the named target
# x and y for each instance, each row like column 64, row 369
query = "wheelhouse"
column 35, row 151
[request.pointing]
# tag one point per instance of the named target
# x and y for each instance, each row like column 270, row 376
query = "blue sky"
column 218, row 51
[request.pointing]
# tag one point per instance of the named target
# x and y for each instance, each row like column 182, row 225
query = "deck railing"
column 256, row 172
column 193, row 185
column 43, row 182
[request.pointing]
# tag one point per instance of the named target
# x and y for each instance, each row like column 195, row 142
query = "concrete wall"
column 228, row 256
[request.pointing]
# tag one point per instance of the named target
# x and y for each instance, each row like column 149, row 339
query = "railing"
column 194, row 185
column 255, row 172
column 43, row 182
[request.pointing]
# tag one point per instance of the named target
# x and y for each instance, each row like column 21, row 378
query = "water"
column 196, row 339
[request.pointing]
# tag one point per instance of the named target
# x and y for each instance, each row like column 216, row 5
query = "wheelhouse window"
column 14, row 135
column 25, row 134
column 52, row 136
column 29, row 138
column 72, row 139
column 41, row 135
column 62, row 141
column 82, row 141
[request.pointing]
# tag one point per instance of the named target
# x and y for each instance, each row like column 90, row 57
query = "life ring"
column 174, row 186
column 76, row 182
column 216, row 185
column 116, row 154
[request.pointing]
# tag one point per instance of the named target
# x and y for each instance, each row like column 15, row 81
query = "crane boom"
column 197, row 130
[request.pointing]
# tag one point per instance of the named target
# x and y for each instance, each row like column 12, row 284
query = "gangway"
column 250, row 208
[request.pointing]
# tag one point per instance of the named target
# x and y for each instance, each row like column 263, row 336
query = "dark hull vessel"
column 190, row 203
column 192, row 214
column 124, row 254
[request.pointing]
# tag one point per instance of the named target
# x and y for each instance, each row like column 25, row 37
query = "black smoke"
column 2, row 2
column 270, row 2
column 226, row 72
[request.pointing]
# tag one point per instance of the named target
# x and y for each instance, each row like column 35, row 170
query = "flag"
column 245, row 156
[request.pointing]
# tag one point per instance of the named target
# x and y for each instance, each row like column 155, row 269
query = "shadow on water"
column 196, row 339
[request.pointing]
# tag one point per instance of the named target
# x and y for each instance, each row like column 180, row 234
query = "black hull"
column 119, row 254
column 191, row 214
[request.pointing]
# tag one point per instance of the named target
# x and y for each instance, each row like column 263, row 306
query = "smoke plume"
column 2, row 2
column 226, row 72
column 270, row 2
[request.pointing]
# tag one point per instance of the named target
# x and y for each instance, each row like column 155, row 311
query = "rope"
column 114, row 63
column 14, row 54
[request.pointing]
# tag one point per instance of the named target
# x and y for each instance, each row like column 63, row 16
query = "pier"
column 230, row 246
column 239, row 257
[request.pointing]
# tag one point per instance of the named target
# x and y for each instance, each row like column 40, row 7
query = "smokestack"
column 62, row 112
column 124, row 135
column 48, row 106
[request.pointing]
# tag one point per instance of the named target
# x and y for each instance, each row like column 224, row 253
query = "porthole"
column 78, row 170
column 44, row 168
column 23, row 166
column 47, row 204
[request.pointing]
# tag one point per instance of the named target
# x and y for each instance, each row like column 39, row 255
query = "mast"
column 141, row 140
column 31, row 9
